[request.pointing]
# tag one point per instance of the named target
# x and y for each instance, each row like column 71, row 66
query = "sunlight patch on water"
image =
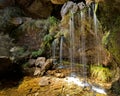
column 77, row 81
column 98, row 90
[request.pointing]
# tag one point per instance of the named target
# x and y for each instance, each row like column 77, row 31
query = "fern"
column 37, row 53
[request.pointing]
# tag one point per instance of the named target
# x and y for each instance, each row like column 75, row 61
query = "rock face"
column 5, row 45
column 36, row 8
column 33, row 8
column 58, row 1
column 110, row 20
column 4, row 3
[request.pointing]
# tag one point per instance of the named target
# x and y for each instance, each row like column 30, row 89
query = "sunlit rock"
column 58, row 1
column 48, row 64
column 37, row 71
column 45, row 81
column 40, row 61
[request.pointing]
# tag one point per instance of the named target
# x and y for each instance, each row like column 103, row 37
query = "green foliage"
column 47, row 40
column 101, row 73
column 37, row 53
column 105, row 38
column 53, row 21
column 25, row 65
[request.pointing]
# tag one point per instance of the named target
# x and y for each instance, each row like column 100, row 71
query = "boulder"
column 45, row 81
column 48, row 64
column 44, row 68
column 37, row 71
column 40, row 61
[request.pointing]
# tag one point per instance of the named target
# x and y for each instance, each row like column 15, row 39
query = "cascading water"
column 72, row 41
column 83, row 40
column 61, row 52
column 97, row 41
column 54, row 51
column 73, row 8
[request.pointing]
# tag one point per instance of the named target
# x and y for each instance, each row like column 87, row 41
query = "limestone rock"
column 40, row 61
column 45, row 81
column 37, row 71
column 48, row 64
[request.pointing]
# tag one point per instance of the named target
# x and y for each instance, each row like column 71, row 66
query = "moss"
column 113, row 45
column 101, row 73
column 28, row 86
column 105, row 39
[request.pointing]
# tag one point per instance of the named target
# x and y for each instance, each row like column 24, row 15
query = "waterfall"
column 89, row 12
column 83, row 40
column 72, row 46
column 78, row 41
column 54, row 51
column 97, row 41
column 61, row 51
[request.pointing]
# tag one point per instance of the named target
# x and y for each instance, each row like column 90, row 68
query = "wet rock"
column 40, row 62
column 45, row 81
column 66, row 7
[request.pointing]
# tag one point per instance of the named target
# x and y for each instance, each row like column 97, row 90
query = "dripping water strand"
column 54, row 51
column 72, row 40
column 61, row 51
column 83, row 38
column 96, row 33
